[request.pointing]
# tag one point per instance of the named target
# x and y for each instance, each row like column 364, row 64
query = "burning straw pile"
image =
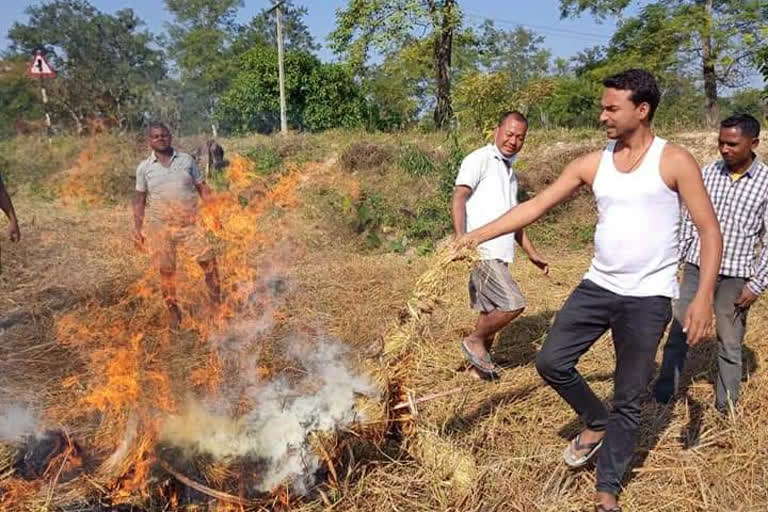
column 234, row 408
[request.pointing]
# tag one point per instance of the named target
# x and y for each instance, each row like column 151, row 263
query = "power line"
column 541, row 27
column 544, row 28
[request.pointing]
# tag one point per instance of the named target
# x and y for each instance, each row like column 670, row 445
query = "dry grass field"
column 338, row 307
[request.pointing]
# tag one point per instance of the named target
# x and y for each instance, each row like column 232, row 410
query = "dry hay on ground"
column 492, row 446
column 498, row 445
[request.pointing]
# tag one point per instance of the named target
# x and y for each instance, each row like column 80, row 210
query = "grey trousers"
column 731, row 326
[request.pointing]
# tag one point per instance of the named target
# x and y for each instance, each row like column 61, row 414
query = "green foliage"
column 262, row 28
column 382, row 25
column 333, row 99
column 373, row 212
column 573, row 103
column 682, row 104
column 383, row 221
column 415, row 162
column 650, row 41
column 252, row 102
column 318, row 96
column 479, row 98
column 200, row 43
column 717, row 39
column 432, row 221
column 747, row 101
column 400, row 86
column 204, row 13
column 761, row 56
column 386, row 26
column 266, row 159
column 517, row 52
column 82, row 43
column 18, row 97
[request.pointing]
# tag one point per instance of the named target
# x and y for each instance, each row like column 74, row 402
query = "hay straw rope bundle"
column 397, row 366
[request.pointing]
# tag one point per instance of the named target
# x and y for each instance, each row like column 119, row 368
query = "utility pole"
column 281, row 66
column 281, row 70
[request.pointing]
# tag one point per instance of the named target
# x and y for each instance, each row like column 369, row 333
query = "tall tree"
column 252, row 102
column 384, row 25
column 761, row 57
column 518, row 52
column 106, row 64
column 400, row 86
column 720, row 35
column 296, row 34
column 200, row 35
column 19, row 96
column 762, row 63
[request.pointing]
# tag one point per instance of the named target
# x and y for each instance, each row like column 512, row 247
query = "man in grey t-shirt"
column 168, row 184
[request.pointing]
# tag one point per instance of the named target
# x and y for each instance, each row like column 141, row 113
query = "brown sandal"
column 603, row 508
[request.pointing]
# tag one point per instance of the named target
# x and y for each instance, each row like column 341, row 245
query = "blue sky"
column 564, row 37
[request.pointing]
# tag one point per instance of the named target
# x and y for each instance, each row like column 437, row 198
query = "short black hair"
column 157, row 125
column 748, row 125
column 512, row 113
column 643, row 85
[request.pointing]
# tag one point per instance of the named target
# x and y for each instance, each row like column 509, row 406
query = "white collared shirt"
column 494, row 193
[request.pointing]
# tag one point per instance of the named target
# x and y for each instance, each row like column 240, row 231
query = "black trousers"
column 637, row 325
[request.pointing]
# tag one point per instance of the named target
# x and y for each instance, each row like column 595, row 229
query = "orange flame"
column 129, row 354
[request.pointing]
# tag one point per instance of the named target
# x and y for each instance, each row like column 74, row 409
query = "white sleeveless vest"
column 636, row 239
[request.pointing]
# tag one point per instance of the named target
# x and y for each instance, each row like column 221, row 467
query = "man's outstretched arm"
column 573, row 176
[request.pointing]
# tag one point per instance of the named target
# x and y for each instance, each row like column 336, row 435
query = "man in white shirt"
column 486, row 188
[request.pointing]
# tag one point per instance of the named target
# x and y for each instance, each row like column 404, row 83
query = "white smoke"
column 317, row 394
column 17, row 422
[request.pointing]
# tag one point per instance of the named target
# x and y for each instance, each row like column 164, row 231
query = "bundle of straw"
column 399, row 363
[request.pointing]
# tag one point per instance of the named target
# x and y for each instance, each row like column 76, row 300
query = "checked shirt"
column 741, row 210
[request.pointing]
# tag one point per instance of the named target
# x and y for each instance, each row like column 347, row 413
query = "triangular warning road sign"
column 39, row 67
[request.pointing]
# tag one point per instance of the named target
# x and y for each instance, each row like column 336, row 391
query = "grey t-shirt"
column 171, row 194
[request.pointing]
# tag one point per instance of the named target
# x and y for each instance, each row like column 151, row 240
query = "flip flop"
column 483, row 364
column 603, row 508
column 576, row 461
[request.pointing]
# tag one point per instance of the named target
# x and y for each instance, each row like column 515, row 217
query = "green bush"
column 415, row 162
column 432, row 221
column 319, row 96
column 333, row 99
column 266, row 159
column 252, row 102
column 747, row 101
column 573, row 103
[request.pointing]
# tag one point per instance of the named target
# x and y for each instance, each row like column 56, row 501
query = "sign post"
column 40, row 68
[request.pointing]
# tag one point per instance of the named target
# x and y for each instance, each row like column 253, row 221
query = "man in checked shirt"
column 738, row 187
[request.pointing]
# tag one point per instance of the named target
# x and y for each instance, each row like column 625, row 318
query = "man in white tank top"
column 637, row 180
